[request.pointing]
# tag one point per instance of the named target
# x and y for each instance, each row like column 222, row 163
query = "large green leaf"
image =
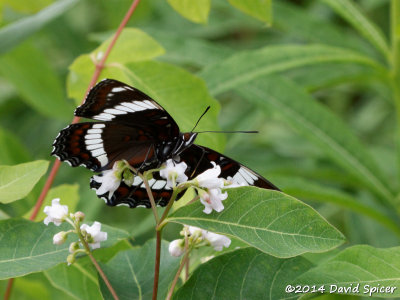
column 318, row 124
column 16, row 32
column 352, row 14
column 78, row 280
column 27, row 247
column 362, row 266
column 29, row 70
column 259, row 9
column 243, row 274
column 132, row 45
column 268, row 220
column 248, row 65
column 195, row 11
column 131, row 272
column 17, row 181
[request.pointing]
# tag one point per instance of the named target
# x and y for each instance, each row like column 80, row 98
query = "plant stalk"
column 157, row 264
column 97, row 266
column 183, row 263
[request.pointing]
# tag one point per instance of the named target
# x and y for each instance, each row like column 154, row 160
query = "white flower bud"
column 59, row 238
column 79, row 216
column 176, row 247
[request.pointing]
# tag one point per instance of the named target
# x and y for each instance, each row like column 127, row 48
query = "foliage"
column 320, row 81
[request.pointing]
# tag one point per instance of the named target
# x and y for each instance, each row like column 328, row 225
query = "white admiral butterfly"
column 137, row 129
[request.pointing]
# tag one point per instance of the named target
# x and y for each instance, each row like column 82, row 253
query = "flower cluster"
column 207, row 184
column 91, row 235
column 198, row 237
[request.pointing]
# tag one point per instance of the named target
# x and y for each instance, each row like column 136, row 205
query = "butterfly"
column 135, row 128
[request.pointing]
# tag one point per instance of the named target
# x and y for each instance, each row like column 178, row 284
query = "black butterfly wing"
column 134, row 124
column 199, row 158
column 97, row 146
column 112, row 100
column 136, row 195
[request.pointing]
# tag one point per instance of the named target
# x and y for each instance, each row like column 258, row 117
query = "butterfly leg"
column 145, row 159
column 203, row 152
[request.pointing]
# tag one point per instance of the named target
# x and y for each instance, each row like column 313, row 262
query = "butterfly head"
column 185, row 141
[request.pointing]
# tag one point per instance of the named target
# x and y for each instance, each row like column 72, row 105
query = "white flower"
column 212, row 200
column 174, row 172
column 59, row 238
column 176, row 247
column 56, row 213
column 110, row 180
column 218, row 241
column 96, row 236
column 209, row 178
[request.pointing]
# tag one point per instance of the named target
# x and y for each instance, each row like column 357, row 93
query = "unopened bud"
column 73, row 247
column 128, row 177
column 79, row 216
column 59, row 238
column 70, row 259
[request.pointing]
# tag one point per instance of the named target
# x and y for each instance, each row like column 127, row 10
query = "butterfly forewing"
column 111, row 100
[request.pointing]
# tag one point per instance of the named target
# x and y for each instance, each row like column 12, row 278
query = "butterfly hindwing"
column 136, row 195
column 199, row 158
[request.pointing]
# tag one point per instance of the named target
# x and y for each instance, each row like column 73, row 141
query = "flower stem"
column 96, row 265
column 157, row 264
column 183, row 263
column 150, row 194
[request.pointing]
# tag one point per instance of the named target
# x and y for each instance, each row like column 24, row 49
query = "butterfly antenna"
column 208, row 107
column 238, row 131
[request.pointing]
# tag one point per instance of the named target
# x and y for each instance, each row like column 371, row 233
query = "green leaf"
column 68, row 195
column 195, row 11
column 352, row 14
column 27, row 247
column 17, row 181
column 183, row 95
column 268, row 220
column 361, row 266
column 306, row 25
column 132, row 45
column 12, row 151
column 18, row 31
column 131, row 272
column 243, row 274
column 319, row 125
column 248, row 65
column 78, row 280
column 301, row 189
column 29, row 70
column 259, row 9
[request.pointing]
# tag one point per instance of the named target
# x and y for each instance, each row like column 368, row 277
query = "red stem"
column 56, row 165
column 157, row 264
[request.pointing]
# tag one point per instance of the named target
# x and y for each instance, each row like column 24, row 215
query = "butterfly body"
column 135, row 128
